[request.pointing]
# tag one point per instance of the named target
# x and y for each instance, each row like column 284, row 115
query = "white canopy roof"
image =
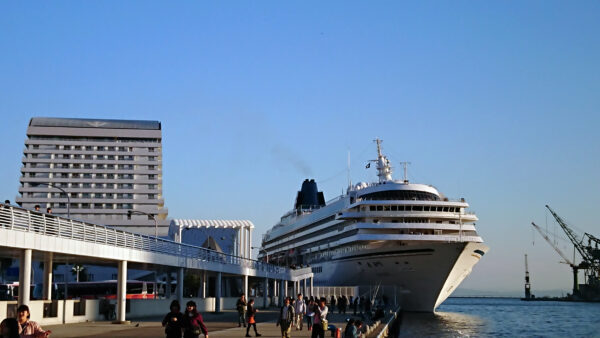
column 216, row 223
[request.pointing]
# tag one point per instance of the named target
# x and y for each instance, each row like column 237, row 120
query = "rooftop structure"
column 107, row 167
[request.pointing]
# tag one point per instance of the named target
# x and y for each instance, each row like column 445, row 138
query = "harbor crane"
column 573, row 266
column 589, row 254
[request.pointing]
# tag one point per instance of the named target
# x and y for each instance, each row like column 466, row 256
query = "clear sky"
column 497, row 102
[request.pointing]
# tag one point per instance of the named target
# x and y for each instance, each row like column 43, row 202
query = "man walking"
column 286, row 318
column 241, row 308
column 299, row 310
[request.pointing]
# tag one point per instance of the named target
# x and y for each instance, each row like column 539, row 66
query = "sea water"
column 504, row 317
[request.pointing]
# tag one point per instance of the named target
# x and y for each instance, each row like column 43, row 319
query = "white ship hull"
column 420, row 276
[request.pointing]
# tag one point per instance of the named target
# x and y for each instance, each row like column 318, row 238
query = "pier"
column 28, row 235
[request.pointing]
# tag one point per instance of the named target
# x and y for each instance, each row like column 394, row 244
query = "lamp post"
column 131, row 212
column 50, row 185
column 260, row 248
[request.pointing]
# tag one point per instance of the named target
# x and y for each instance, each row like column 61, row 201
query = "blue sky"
column 496, row 102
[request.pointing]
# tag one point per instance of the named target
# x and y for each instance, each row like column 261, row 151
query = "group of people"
column 22, row 326
column 189, row 324
column 293, row 311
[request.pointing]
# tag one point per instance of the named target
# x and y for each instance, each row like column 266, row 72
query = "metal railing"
column 19, row 219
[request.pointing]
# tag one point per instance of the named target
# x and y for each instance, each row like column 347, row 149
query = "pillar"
column 245, row 286
column 24, row 276
column 312, row 290
column 218, row 293
column 295, row 289
column 304, row 292
column 285, row 288
column 266, row 292
column 203, row 286
column 47, row 292
column 168, row 286
column 180, row 285
column 121, row 291
column 249, row 243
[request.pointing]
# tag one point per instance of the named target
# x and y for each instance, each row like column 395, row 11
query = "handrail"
column 20, row 219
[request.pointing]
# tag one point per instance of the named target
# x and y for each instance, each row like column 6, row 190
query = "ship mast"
column 384, row 170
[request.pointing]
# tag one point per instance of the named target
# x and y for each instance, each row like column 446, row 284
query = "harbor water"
column 504, row 317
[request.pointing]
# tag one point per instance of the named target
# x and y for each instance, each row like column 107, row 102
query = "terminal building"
column 110, row 169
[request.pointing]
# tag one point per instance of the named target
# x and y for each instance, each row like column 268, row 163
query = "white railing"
column 19, row 219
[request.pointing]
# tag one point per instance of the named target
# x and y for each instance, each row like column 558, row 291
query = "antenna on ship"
column 349, row 179
column 405, row 166
column 383, row 164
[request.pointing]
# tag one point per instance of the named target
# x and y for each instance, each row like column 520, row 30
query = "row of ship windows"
column 410, row 208
column 87, row 175
column 415, row 220
column 92, row 157
column 87, row 166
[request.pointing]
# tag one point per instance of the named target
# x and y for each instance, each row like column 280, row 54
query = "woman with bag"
column 320, row 320
column 250, row 314
column 193, row 325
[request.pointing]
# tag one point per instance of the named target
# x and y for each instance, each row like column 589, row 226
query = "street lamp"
column 260, row 248
column 49, row 185
column 131, row 212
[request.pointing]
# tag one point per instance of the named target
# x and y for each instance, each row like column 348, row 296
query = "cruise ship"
column 391, row 235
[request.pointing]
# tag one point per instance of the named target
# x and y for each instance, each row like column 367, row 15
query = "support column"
column 245, row 286
column 304, row 292
column 168, row 286
column 47, row 292
column 180, row 285
column 285, row 288
column 218, row 293
column 203, row 286
column 24, row 276
column 312, row 290
column 121, row 291
column 295, row 289
column 266, row 292
column 249, row 242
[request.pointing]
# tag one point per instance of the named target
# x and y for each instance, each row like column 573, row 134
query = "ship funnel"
column 309, row 196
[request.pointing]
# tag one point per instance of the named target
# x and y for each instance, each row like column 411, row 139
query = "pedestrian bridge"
column 27, row 234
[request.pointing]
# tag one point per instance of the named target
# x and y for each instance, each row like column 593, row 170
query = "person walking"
column 28, row 328
column 286, row 318
column 355, row 305
column 193, row 325
column 300, row 311
column 173, row 321
column 241, row 309
column 251, row 316
column 320, row 319
column 310, row 313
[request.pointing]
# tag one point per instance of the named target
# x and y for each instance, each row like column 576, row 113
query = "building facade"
column 110, row 169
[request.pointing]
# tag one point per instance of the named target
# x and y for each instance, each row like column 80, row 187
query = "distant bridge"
column 28, row 235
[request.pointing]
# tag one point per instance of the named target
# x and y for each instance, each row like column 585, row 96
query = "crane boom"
column 553, row 245
column 578, row 245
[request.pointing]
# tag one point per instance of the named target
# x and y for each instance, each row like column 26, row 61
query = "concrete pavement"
column 219, row 325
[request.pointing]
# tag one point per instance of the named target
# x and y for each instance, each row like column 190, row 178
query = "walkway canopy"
column 232, row 236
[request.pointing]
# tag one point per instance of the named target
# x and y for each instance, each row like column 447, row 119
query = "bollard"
column 338, row 333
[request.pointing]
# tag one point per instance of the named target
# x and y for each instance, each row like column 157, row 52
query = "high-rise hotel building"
column 108, row 167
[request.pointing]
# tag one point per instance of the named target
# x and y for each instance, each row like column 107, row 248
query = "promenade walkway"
column 219, row 325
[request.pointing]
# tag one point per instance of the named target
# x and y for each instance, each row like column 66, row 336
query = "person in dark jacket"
column 193, row 324
column 286, row 318
column 9, row 328
column 173, row 321
column 350, row 331
column 241, row 308
column 250, row 315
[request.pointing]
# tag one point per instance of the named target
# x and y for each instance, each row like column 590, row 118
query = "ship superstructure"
column 390, row 233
